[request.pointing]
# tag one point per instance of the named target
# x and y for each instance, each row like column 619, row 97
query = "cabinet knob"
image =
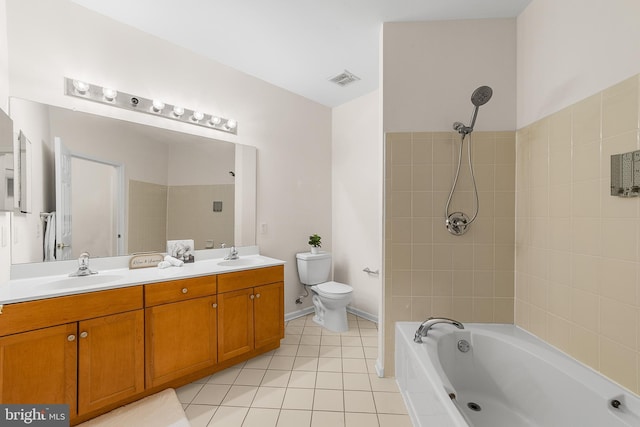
column 71, row 337
column 214, row 305
column 251, row 296
column 185, row 290
column 257, row 295
column 84, row 334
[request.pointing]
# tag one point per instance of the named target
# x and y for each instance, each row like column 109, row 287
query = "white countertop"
column 48, row 286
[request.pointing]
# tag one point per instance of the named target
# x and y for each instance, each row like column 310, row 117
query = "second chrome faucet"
column 424, row 328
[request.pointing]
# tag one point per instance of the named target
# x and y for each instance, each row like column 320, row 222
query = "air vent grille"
column 344, row 78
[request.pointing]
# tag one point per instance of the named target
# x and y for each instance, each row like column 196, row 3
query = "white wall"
column 428, row 81
column 292, row 134
column 568, row 50
column 357, row 199
column 5, row 222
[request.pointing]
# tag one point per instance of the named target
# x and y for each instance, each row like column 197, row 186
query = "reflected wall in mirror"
column 7, row 187
column 161, row 182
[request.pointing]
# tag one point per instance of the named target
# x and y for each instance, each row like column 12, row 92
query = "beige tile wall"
column 577, row 247
column 428, row 271
column 147, row 217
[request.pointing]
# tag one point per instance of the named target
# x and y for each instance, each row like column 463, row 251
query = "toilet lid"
column 334, row 288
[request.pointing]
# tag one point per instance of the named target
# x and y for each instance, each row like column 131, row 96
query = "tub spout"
column 423, row 330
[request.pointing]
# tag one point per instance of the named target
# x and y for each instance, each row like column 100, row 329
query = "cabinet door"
column 235, row 323
column 40, row 366
column 111, row 359
column 269, row 313
column 181, row 338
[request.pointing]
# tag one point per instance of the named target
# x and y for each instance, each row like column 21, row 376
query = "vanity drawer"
column 30, row 315
column 248, row 278
column 178, row 290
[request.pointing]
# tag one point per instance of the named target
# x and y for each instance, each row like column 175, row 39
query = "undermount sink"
column 241, row 262
column 80, row 281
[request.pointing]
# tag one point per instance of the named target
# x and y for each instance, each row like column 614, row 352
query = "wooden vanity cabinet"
column 250, row 310
column 40, row 366
column 181, row 328
column 88, row 360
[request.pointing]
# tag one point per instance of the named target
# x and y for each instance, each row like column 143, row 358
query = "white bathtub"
column 514, row 379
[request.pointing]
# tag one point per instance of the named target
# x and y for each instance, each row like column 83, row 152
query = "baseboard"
column 363, row 314
column 298, row 313
column 379, row 368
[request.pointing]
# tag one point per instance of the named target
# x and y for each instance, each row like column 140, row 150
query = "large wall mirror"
column 118, row 187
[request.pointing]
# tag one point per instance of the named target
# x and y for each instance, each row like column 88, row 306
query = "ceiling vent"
column 344, row 78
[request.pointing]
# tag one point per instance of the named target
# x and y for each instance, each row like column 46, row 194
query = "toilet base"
column 334, row 320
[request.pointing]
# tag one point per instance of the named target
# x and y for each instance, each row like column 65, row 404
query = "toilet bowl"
column 330, row 299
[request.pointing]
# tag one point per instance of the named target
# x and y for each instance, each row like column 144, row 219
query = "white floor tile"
column 302, row 379
column 188, row 392
column 308, row 350
column 293, row 339
column 330, row 351
column 351, row 341
column 359, row 401
column 392, row 420
column 389, row 403
column 275, row 378
column 327, row 419
column 200, row 415
column 240, row 395
column 328, row 400
column 287, row 350
column 269, row 397
column 303, row 363
column 259, row 362
column 310, row 340
column 282, row 362
column 293, row 330
column 354, row 366
column 228, row 416
column 261, row 417
column 294, row 418
column 368, row 332
column 330, row 364
column 353, row 352
column 298, row 398
column 370, row 352
column 227, row 376
column 383, row 384
column 353, row 381
column 312, row 330
column 352, row 419
column 331, row 340
column 211, row 394
column 250, row 377
column 329, row 380
column 369, row 341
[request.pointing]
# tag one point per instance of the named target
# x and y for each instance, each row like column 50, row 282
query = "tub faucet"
column 424, row 328
column 233, row 254
column 83, row 266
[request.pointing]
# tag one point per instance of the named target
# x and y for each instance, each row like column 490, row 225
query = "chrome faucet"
column 233, row 254
column 83, row 266
column 424, row 328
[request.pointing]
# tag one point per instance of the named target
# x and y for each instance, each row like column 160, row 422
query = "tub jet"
column 474, row 406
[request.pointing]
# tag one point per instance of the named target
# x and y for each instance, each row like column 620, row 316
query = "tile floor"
column 316, row 378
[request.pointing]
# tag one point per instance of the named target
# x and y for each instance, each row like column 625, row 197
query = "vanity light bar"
column 155, row 107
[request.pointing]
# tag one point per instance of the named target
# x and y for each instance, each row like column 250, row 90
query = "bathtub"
column 507, row 378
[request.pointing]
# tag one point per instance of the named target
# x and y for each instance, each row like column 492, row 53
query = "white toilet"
column 330, row 299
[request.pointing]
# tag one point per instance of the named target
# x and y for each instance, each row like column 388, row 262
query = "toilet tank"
column 314, row 268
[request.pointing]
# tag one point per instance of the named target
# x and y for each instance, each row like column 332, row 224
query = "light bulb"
column 197, row 116
column 214, row 120
column 109, row 94
column 80, row 86
column 178, row 111
column 158, row 106
column 232, row 124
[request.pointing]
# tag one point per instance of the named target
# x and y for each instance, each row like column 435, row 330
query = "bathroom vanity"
column 99, row 349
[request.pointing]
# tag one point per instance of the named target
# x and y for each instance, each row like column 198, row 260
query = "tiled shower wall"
column 428, row 271
column 577, row 247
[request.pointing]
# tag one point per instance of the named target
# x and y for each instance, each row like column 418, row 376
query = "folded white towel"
column 173, row 261
column 164, row 264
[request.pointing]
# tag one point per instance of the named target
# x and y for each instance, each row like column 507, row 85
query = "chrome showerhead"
column 481, row 96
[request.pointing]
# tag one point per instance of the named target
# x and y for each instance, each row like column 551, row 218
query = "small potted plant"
column 314, row 242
